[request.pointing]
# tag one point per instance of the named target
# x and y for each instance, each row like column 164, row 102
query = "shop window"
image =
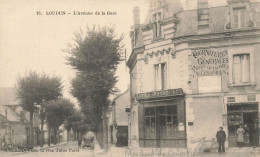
column 172, row 119
column 156, row 25
column 150, row 121
column 239, row 17
column 241, row 68
column 160, row 76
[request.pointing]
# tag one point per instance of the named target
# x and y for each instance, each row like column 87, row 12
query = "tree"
column 56, row 113
column 95, row 55
column 71, row 122
column 33, row 89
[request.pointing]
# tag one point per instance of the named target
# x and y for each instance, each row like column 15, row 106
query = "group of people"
column 245, row 137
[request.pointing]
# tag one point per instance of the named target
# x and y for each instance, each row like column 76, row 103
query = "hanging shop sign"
column 207, row 62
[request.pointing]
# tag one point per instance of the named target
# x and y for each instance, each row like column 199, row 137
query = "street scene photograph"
column 130, row 78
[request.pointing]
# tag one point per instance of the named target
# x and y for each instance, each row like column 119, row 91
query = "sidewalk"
column 125, row 152
column 113, row 151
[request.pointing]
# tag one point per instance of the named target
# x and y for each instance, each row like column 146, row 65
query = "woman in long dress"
column 240, row 136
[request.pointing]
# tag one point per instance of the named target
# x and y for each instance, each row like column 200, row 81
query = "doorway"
column 241, row 114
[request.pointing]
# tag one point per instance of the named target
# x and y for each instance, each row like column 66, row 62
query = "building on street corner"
column 118, row 119
column 192, row 71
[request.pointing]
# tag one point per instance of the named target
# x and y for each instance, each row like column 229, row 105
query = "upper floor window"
column 160, row 76
column 239, row 17
column 241, row 68
column 156, row 25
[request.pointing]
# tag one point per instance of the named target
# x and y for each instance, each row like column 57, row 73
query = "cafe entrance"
column 241, row 114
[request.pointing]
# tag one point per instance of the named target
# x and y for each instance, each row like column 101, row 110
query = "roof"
column 120, row 103
column 10, row 105
column 12, row 116
column 188, row 20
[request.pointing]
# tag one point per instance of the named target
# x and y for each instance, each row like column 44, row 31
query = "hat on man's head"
column 221, row 127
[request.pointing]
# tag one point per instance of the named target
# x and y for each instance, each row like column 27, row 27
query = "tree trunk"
column 105, row 143
column 55, row 136
column 68, row 135
column 49, row 136
column 42, row 133
column 31, row 130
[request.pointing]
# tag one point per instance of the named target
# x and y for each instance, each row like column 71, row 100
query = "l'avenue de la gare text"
column 81, row 13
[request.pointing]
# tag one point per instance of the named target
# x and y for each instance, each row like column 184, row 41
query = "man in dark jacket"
column 221, row 137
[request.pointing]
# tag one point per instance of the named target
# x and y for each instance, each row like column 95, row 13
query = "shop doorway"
column 243, row 114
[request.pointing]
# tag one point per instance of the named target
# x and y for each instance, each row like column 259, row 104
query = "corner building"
column 192, row 71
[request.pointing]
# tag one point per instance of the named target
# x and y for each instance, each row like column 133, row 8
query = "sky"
column 31, row 42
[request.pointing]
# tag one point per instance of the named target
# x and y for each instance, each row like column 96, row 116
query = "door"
column 234, row 120
column 251, row 119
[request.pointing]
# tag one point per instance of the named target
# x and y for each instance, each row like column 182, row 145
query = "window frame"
column 240, row 51
column 240, row 64
column 160, row 76
column 232, row 7
column 157, row 28
column 240, row 11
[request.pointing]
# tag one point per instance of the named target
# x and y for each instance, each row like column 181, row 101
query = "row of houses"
column 15, row 123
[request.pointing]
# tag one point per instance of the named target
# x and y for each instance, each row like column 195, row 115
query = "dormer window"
column 239, row 17
column 239, row 14
column 156, row 25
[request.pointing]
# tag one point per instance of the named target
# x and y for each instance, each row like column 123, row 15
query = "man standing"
column 221, row 137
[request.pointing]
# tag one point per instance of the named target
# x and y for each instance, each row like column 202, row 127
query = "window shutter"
column 141, row 124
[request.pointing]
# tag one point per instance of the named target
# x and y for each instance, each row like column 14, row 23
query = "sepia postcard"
column 130, row 78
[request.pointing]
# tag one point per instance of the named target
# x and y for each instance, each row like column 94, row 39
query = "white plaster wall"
column 134, row 136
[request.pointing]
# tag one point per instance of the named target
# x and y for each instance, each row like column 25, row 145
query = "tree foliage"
column 57, row 111
column 95, row 55
column 75, row 116
column 34, row 88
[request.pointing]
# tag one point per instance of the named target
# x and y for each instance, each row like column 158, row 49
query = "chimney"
column 136, row 13
column 203, row 16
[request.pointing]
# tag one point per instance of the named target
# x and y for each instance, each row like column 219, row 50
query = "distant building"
column 192, row 71
column 14, row 121
column 118, row 121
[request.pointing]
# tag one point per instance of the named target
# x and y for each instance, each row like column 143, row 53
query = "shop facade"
column 162, row 119
column 199, row 75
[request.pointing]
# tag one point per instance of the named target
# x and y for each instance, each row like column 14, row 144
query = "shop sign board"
column 206, row 62
column 158, row 94
column 231, row 99
column 209, row 84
